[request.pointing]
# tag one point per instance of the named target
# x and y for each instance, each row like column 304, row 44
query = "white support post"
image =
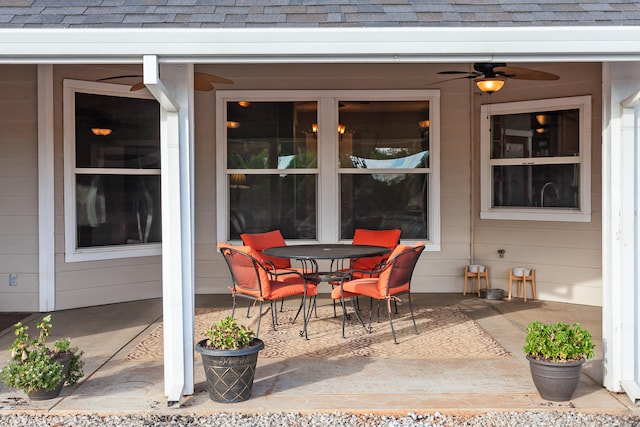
column 621, row 229
column 176, row 135
column 46, row 197
column 630, row 326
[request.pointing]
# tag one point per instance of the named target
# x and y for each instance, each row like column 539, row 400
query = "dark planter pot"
column 64, row 359
column 230, row 373
column 555, row 381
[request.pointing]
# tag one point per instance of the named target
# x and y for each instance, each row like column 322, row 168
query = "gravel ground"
column 493, row 419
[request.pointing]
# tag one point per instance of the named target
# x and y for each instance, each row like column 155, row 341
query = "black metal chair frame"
column 273, row 274
column 405, row 262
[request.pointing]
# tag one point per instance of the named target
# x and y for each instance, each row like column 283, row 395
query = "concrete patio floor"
column 113, row 385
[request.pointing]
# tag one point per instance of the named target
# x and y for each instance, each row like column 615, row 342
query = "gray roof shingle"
column 314, row 13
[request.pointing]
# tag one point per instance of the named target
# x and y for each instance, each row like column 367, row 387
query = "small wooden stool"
column 521, row 282
column 475, row 277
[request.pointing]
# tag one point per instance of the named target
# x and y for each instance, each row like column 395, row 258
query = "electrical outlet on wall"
column 13, row 279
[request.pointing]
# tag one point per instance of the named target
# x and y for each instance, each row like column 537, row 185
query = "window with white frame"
column 536, row 160
column 112, row 172
column 318, row 164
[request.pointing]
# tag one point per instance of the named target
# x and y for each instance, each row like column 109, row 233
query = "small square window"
column 536, row 158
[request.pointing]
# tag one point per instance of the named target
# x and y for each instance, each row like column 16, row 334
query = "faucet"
column 544, row 187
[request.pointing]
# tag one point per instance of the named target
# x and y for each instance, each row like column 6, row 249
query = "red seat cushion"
column 286, row 289
column 361, row 287
column 261, row 241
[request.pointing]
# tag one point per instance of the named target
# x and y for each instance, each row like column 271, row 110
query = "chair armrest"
column 275, row 274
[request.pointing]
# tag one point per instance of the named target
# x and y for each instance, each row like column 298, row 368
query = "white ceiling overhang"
column 321, row 45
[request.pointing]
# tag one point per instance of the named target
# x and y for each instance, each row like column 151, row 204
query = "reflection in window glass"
column 116, row 132
column 384, row 135
column 537, row 186
column 260, row 203
column 271, row 135
column 318, row 164
column 117, row 209
column 384, row 201
column 536, row 134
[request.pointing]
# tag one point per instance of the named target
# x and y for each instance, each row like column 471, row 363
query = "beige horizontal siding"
column 18, row 188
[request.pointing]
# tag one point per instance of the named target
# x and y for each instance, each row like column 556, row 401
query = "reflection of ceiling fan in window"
column 201, row 81
column 491, row 77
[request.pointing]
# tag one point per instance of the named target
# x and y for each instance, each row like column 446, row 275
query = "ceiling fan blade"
column 211, row 78
column 453, row 72
column 471, row 76
column 136, row 87
column 126, row 76
column 202, row 85
column 201, row 82
column 524, row 73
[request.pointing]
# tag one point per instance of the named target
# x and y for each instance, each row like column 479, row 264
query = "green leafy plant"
column 226, row 334
column 558, row 342
column 35, row 366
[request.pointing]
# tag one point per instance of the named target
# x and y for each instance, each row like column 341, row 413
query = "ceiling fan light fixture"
column 101, row 131
column 543, row 119
column 490, row 84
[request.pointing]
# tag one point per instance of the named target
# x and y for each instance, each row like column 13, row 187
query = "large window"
column 112, row 172
column 318, row 165
column 536, row 160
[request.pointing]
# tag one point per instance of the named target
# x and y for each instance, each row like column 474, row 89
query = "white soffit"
column 279, row 45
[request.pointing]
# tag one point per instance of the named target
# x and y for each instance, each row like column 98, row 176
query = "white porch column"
column 46, row 197
column 621, row 229
column 175, row 94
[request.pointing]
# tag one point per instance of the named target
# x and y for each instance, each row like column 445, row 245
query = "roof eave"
column 320, row 45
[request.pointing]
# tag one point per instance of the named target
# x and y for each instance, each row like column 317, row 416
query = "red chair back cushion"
column 399, row 274
column 261, row 241
column 387, row 238
column 250, row 278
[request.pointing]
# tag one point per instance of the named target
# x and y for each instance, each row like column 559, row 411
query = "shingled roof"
column 314, row 13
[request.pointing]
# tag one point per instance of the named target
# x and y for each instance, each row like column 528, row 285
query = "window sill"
column 114, row 252
column 536, row 215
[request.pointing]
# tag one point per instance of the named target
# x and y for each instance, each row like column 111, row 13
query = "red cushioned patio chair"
column 392, row 279
column 253, row 280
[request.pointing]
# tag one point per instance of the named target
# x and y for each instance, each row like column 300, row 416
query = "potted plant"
column 39, row 370
column 556, row 353
column 229, row 357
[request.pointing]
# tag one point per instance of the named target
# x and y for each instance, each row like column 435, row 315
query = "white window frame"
column 72, row 252
column 328, row 194
column 583, row 212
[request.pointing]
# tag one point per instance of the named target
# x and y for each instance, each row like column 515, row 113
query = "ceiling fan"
column 201, row 81
column 490, row 77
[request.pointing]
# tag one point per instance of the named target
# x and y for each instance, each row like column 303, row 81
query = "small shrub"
column 226, row 334
column 34, row 365
column 558, row 342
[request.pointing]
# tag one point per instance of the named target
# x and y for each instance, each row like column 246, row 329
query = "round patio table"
column 308, row 255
